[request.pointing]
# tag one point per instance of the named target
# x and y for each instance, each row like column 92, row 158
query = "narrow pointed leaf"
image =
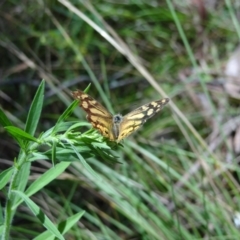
column 19, row 133
column 66, row 113
column 4, row 121
column 35, row 110
column 47, row 223
column 63, row 227
column 5, row 177
column 46, row 178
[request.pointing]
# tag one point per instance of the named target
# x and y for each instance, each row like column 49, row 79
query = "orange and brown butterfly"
column 116, row 127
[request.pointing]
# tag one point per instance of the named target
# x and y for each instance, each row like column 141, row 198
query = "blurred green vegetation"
column 175, row 178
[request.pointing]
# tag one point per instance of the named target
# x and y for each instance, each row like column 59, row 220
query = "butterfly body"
column 116, row 127
column 117, row 120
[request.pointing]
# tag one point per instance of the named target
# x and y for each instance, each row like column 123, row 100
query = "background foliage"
column 176, row 178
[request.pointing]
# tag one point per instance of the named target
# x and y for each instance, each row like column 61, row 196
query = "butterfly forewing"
column 97, row 115
column 135, row 119
column 90, row 105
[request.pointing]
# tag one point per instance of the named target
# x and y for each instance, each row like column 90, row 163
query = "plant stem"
column 9, row 212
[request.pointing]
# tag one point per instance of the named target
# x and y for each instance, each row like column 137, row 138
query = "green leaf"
column 63, row 227
column 40, row 215
column 46, row 178
column 36, row 156
column 87, row 88
column 5, row 123
column 5, row 177
column 20, row 134
column 66, row 113
column 21, row 179
column 54, row 146
column 78, row 124
column 4, row 119
column 35, row 110
column 83, row 161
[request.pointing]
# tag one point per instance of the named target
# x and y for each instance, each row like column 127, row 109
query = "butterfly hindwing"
column 135, row 119
column 97, row 115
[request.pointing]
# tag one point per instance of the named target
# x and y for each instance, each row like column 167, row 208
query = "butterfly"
column 116, row 127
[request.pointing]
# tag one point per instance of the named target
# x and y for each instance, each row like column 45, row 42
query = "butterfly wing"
column 97, row 115
column 135, row 119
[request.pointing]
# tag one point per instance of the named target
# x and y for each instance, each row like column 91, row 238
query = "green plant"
column 61, row 147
